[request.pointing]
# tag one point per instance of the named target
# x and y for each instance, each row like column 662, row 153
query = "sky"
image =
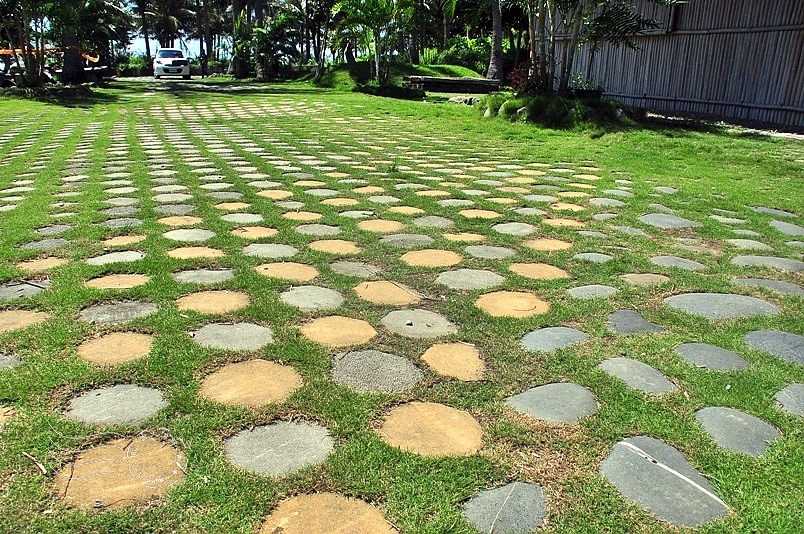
column 137, row 46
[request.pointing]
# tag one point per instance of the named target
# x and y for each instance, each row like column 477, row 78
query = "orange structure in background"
column 56, row 50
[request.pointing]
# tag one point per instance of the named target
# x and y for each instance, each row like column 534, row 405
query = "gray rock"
column 557, row 403
column 677, row 263
column 592, row 233
column 312, row 298
column 318, row 229
column 711, row 357
column 638, row 375
column 773, row 211
column 242, row 218
column 604, row 216
column 746, row 232
column 322, row 192
column 433, row 221
column 355, row 268
column 720, row 306
column 783, row 345
column 7, row 361
column 543, row 198
column 122, row 222
column 125, row 256
column 237, row 336
column 290, row 204
column 270, row 250
column 785, row 288
column 515, row 507
column 618, row 193
column 593, row 291
column 14, row 290
column 45, row 244
column 658, row 478
column 748, row 244
column 737, row 431
column 171, row 198
column 357, row 214
column 530, row 212
column 630, row 230
column 630, row 322
column 119, row 312
column 116, row 405
column 514, row 228
column 660, row 207
column 666, row 190
column 791, row 399
column 602, row 202
column 189, row 234
column 375, row 371
column 120, row 211
column 54, row 229
column 418, row 324
column 787, row 228
column 469, row 279
column 489, row 252
column 782, row 264
column 175, row 209
column 406, row 240
column 264, row 184
column 204, row 276
column 384, row 199
column 594, row 257
column 727, row 220
column 552, row 338
column 667, row 221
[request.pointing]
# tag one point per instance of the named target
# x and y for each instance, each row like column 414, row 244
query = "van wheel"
column 186, row 76
column 156, row 76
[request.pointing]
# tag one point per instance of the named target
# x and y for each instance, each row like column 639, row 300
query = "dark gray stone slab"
column 593, row 291
column 14, row 290
column 557, row 403
column 270, row 250
column 312, row 298
column 594, row 257
column 657, row 477
column 678, row 263
column 783, row 264
column 7, row 361
column 54, row 229
column 720, row 306
column 783, row 345
column 45, row 244
column 606, row 202
column 638, row 375
column 514, row 228
column 737, row 431
column 552, row 338
column 667, row 221
column 122, row 222
column 630, row 322
column 280, row 448
column 189, row 234
column 787, row 228
column 357, row 214
column 171, row 198
column 711, row 357
column 530, row 212
column 433, row 221
column 236, row 336
column 727, row 220
column 418, row 324
column 375, row 371
column 489, row 252
column 407, row 240
column 785, row 288
column 748, row 244
column 119, row 312
column 355, row 268
column 175, row 209
column 116, row 405
column 120, row 211
column 204, row 276
column 790, row 399
column 772, row 211
column 513, row 508
column 318, row 229
column 469, row 279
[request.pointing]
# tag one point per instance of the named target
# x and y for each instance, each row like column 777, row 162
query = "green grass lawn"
column 719, row 169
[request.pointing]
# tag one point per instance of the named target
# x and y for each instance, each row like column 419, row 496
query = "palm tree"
column 171, row 19
column 495, row 71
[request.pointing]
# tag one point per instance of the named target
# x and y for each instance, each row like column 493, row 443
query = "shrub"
column 470, row 53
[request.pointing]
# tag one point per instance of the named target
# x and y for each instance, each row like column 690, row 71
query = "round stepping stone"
column 325, row 512
column 791, row 399
column 737, row 431
column 678, row 263
column 407, row 240
column 312, row 298
column 242, row 218
column 720, row 306
column 119, row 312
column 479, row 214
column 469, row 279
column 169, row 198
column 606, row 203
column 593, row 291
column 339, row 202
column 556, row 403
column 406, row 210
column 126, row 256
column 120, row 223
column 630, row 322
column 552, row 338
column 270, row 250
column 748, row 244
column 123, row 240
column 385, row 292
column 457, row 360
column 711, row 357
column 638, row 375
column 772, row 211
column 433, row 221
column 380, row 226
column 454, row 202
column 355, row 268
column 18, row 319
column 302, row 216
column 566, row 206
column 115, row 348
column 180, row 220
column 785, row 288
column 418, row 324
column 515, row 507
column 375, row 371
column 13, row 290
column 514, row 304
column 54, row 229
column 204, row 276
column 277, row 194
column 431, row 258
column 254, row 232
column 230, row 206
column 335, row 246
column 188, row 253
column 514, row 228
column 7, row 361
column 318, row 229
column 593, row 257
column 787, row 228
column 666, row 221
column 489, row 252
column 235, row 336
column 644, row 279
column 384, row 199
column 296, row 272
column 175, row 209
column 547, row 245
column 117, row 281
column 279, row 449
column 431, row 429
column 783, row 264
column 213, row 302
column 6, row 413
column 784, row 345
column 464, row 237
column 321, row 193
column 251, row 383
column 658, row 478
column 335, row 331
column 630, row 231
column 117, row 405
column 120, row 473
column 45, row 244
column 538, row 271
column 42, row 264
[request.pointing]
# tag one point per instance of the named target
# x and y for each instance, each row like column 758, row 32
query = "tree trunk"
column 377, row 55
column 73, row 71
column 239, row 65
column 495, row 71
column 569, row 51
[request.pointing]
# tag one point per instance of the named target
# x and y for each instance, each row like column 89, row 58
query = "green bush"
column 390, row 91
column 470, row 53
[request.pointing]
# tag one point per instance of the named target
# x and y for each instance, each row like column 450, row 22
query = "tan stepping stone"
column 302, row 216
column 458, row 360
column 123, row 240
column 296, row 272
column 335, row 246
column 325, row 512
column 644, row 279
column 513, row 189
column 251, row 384
column 213, row 302
column 566, row 206
column 120, row 473
column 385, row 292
column 531, row 172
column 336, row 331
column 369, row 189
column 464, row 237
column 339, row 201
column 563, row 223
column 430, row 257
column 115, row 348
column 406, row 210
column 6, row 413
column 336, row 174
column 580, row 185
column 572, row 194
column 180, row 220
column 232, row 206
column 42, row 264
column 275, row 194
column 547, row 244
column 254, row 232
column 309, row 183
column 117, row 281
column 502, row 200
column 538, row 271
column 380, row 226
column 433, row 193
column 432, row 429
column 16, row 319
column 515, row 304
column 479, row 214
column 586, row 176
column 187, row 253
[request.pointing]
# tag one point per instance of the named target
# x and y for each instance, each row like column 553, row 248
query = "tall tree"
column 495, row 71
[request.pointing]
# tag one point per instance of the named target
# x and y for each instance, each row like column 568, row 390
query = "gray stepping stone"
column 120, row 223
column 594, row 257
column 120, row 211
column 318, row 229
column 748, row 244
column 236, row 336
column 746, row 232
column 375, row 371
column 279, row 449
column 618, row 193
column 720, row 306
column 515, row 507
column 593, row 291
column 433, row 221
column 7, row 361
column 552, row 338
column 384, row 199
column 604, row 216
column 630, row 230
column 119, row 312
column 406, row 240
column 737, row 431
column 530, row 212
column 175, row 209
column 215, row 186
column 666, row 190
column 312, row 298
column 727, row 220
column 14, row 290
column 116, row 405
column 638, row 375
column 542, row 198
column 657, row 477
column 489, row 252
column 204, row 276
column 797, row 244
column 418, row 324
column 514, row 228
column 45, row 244
column 53, row 229
column 242, row 218
column 171, row 188
column 264, row 184
column 290, row 204
column 170, row 198
column 773, row 211
column 120, row 190
column 469, row 279
column 455, row 202
column 270, row 250
column 557, row 403
column 782, row 264
column 189, row 234
column 225, row 195
column 667, row 221
column 630, row 322
column 357, row 214
column 606, row 202
column 355, row 268
column 790, row 399
column 677, row 263
column 125, row 256
column 593, row 234
column 784, row 345
column 785, row 288
column 660, row 207
column 787, row 228
column 711, row 357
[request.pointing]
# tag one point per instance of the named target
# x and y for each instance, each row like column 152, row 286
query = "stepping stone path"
column 783, row 345
column 594, row 291
column 737, row 431
column 116, row 348
column 431, row 429
column 711, row 357
column 719, row 306
column 312, row 298
column 630, row 322
column 338, row 331
column 251, row 384
column 552, row 338
column 512, row 304
column 116, row 405
column 375, row 371
column 418, row 324
column 457, row 360
column 515, row 507
column 235, row 336
column 791, row 399
column 121, row 312
column 638, row 375
column 7, row 361
column 556, row 403
column 325, row 512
